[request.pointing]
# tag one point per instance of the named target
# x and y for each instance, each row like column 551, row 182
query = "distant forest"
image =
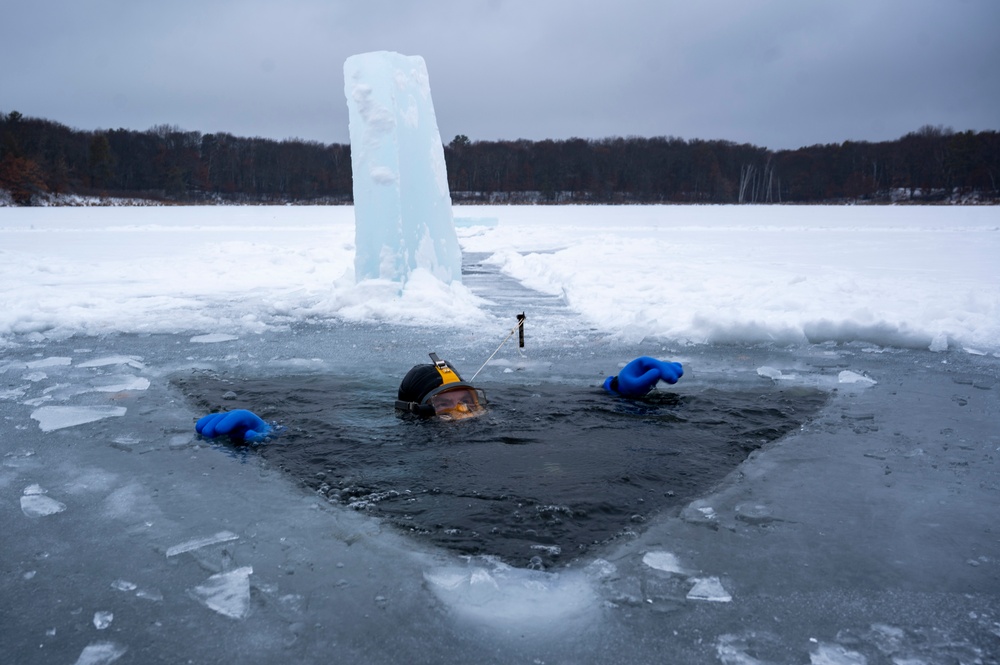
column 39, row 158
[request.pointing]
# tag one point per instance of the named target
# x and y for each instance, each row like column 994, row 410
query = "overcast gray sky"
column 775, row 73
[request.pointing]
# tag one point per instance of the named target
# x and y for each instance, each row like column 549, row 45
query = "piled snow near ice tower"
column 402, row 206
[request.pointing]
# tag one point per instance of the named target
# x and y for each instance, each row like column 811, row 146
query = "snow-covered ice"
column 890, row 276
column 865, row 535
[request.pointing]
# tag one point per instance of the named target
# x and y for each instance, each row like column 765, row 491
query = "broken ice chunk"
column 103, row 619
column 12, row 393
column 709, row 588
column 754, row 513
column 699, row 512
column 49, row 362
column 775, row 374
column 213, row 338
column 119, row 384
column 848, row 376
column 101, row 653
column 196, row 543
column 131, row 361
column 834, row 654
column 51, row 418
column 226, row 593
column 34, row 503
column 664, row 561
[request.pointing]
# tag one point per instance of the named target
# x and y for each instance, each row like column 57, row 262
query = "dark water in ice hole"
column 549, row 472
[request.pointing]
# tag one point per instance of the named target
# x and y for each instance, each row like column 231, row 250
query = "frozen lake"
column 863, row 533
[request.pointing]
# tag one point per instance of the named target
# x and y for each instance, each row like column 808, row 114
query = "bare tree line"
column 39, row 157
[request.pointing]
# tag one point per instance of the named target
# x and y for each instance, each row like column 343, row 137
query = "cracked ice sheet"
column 51, row 418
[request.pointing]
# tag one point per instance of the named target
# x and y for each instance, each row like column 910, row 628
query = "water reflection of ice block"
column 402, row 205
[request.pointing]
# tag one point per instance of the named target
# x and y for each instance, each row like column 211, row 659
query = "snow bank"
column 921, row 277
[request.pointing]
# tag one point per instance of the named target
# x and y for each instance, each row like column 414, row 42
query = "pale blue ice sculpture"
column 402, row 206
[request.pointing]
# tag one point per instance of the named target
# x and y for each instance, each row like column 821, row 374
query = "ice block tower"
column 402, row 206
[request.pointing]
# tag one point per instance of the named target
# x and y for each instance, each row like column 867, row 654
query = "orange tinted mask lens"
column 458, row 404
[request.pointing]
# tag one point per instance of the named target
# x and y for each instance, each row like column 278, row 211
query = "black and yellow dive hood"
column 422, row 391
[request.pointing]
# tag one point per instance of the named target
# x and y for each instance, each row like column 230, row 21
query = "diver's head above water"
column 437, row 390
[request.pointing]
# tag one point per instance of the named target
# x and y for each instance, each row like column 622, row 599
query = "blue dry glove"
column 239, row 424
column 637, row 377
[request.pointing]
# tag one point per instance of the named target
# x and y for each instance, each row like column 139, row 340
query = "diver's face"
column 458, row 404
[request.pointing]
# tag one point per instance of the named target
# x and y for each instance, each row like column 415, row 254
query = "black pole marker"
column 520, row 330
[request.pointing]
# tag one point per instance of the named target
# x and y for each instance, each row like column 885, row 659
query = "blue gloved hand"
column 239, row 424
column 637, row 377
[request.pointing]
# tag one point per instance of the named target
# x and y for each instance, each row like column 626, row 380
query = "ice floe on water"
column 226, row 593
column 51, row 418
